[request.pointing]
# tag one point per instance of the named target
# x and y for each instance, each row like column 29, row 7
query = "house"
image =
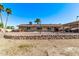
column 68, row 27
column 37, row 27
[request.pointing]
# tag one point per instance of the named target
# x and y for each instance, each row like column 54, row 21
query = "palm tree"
column 1, row 9
column 8, row 11
column 38, row 21
column 77, row 23
column 1, row 25
column 30, row 23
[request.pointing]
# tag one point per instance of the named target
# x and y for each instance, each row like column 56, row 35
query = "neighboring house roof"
column 75, row 22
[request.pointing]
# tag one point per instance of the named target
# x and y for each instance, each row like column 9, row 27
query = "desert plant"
column 10, row 27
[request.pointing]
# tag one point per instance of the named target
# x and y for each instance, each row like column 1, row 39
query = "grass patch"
column 25, row 46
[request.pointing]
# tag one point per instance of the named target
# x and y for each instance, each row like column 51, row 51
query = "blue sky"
column 49, row 13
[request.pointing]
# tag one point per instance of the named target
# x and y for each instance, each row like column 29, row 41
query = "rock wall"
column 43, row 36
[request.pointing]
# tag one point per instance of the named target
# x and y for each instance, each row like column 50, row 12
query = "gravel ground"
column 58, row 47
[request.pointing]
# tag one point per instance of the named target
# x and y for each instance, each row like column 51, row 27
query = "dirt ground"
column 58, row 47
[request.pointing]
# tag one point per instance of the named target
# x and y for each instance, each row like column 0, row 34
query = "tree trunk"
column 6, row 22
column 40, row 28
column 1, row 19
